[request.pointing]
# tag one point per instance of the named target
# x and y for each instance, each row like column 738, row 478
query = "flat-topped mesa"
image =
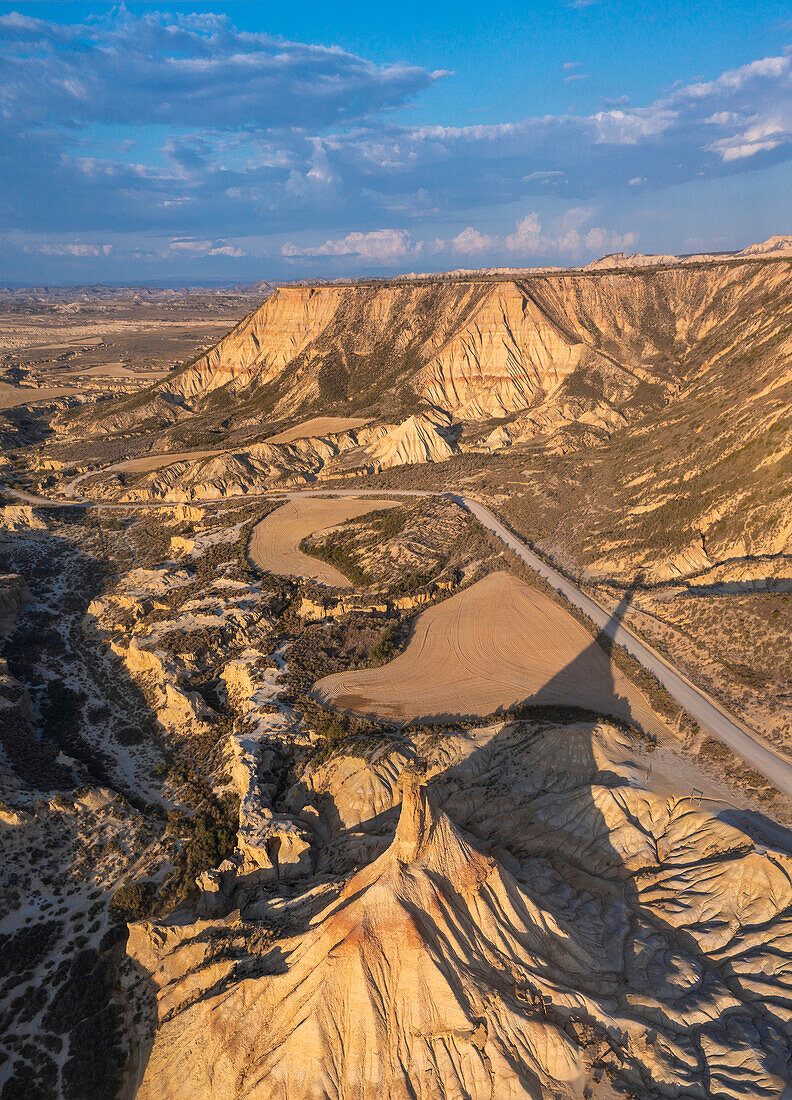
column 419, row 817
column 597, row 349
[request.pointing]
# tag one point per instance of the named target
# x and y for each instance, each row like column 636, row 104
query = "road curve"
column 710, row 715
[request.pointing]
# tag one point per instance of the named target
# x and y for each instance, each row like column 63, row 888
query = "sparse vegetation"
column 196, row 675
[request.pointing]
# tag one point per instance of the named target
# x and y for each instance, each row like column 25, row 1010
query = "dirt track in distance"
column 11, row 397
column 492, row 646
column 275, row 541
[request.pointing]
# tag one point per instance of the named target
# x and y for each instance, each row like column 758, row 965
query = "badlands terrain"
column 312, row 784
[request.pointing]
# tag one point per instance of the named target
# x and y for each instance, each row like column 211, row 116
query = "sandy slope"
column 275, row 540
column 494, row 645
column 154, row 462
column 318, row 426
column 366, row 1007
column 536, row 921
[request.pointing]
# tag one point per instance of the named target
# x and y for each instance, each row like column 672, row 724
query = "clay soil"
column 318, row 426
column 495, row 645
column 275, row 541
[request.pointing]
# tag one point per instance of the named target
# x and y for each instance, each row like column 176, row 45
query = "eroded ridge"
column 533, row 923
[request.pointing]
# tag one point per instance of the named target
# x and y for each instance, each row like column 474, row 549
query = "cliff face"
column 478, row 349
column 677, row 381
column 261, row 345
column 316, row 1025
column 328, row 337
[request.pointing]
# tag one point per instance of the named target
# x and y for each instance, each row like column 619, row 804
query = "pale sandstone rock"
column 12, row 817
column 271, row 846
column 500, row 437
column 215, row 888
column 20, row 517
column 316, row 1030
column 450, row 966
column 179, row 545
column 187, row 513
column 262, row 344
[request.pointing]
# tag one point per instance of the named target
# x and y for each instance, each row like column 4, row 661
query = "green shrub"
column 134, row 901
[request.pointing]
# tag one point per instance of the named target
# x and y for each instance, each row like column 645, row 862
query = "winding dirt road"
column 710, row 714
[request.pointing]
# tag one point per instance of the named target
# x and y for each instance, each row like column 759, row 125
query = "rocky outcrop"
column 20, row 517
column 472, row 348
column 477, row 349
column 781, row 244
column 14, row 594
column 509, row 356
column 427, row 437
column 368, row 960
column 531, row 917
column 260, row 346
column 568, row 360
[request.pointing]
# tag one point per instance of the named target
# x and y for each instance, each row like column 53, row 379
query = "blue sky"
column 230, row 142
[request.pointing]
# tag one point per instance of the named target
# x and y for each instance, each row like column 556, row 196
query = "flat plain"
column 318, row 426
column 11, row 397
column 492, row 646
column 275, row 541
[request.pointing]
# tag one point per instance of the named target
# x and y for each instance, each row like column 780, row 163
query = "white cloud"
column 385, row 246
column 623, row 127
column 471, row 241
column 189, row 69
column 190, row 246
column 734, row 80
column 287, row 137
column 761, row 136
column 533, row 177
column 742, row 150
column 568, row 237
column 204, row 248
column 70, row 249
column 527, row 237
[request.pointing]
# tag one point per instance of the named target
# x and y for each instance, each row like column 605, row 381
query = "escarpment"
column 474, row 348
column 562, row 361
column 676, row 380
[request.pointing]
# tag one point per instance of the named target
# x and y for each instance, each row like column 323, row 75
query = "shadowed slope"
column 396, row 991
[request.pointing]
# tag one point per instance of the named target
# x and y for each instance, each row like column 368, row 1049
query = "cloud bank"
column 182, row 128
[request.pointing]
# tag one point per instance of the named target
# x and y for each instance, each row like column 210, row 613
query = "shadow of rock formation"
column 525, row 920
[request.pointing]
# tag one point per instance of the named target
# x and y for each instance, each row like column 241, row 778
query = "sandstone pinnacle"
column 418, row 818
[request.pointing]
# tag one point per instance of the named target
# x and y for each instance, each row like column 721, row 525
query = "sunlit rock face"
column 526, row 920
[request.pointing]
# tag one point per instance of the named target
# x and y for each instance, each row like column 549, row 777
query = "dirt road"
column 709, row 713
